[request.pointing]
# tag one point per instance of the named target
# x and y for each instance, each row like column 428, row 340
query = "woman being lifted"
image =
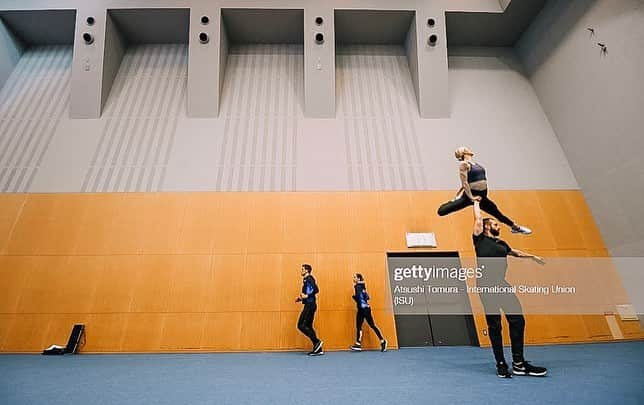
column 474, row 188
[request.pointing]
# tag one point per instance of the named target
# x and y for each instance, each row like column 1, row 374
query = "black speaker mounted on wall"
column 88, row 38
column 432, row 40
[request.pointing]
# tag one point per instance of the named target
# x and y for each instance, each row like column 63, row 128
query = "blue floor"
column 589, row 374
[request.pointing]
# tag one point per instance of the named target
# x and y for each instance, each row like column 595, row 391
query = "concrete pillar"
column 319, row 62
column 207, row 61
column 432, row 77
column 87, row 66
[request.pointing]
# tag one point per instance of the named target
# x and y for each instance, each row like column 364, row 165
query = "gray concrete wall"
column 262, row 141
column 286, row 117
column 595, row 103
column 32, row 106
column 10, row 51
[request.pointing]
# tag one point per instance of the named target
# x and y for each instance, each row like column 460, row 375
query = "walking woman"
column 361, row 298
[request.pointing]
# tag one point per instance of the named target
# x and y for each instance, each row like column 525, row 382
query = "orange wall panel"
column 224, row 294
column 190, row 285
column 300, row 222
column 398, row 218
column 11, row 206
column 115, row 285
column 231, row 225
column 39, row 294
column 182, row 331
column 365, row 227
column 261, row 283
column 127, row 230
column 199, row 224
column 561, row 219
column 333, row 225
column 104, row 332
column 13, row 274
column 96, row 229
column 266, row 226
column 77, row 282
column 217, row 271
column 260, row 330
column 161, row 222
column 26, row 333
column 222, row 331
column 152, row 281
column 597, row 327
column 423, row 209
column 142, row 332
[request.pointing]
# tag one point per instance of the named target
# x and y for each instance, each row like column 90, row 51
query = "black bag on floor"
column 72, row 344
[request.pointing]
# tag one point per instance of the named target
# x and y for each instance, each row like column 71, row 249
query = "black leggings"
column 305, row 323
column 464, row 201
column 512, row 308
column 362, row 315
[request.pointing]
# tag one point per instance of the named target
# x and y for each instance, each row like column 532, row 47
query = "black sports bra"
column 476, row 173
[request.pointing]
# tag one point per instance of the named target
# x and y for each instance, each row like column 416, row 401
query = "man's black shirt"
column 492, row 254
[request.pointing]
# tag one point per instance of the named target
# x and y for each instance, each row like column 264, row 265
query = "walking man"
column 307, row 298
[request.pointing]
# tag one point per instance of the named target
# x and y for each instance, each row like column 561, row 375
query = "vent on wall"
column 264, row 26
column 41, row 27
column 372, row 27
column 153, row 26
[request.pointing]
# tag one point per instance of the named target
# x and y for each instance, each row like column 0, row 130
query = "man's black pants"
column 305, row 322
column 511, row 306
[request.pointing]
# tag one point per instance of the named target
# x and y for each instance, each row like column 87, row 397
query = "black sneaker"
column 318, row 347
column 502, row 370
column 318, row 353
column 525, row 368
column 356, row 347
column 383, row 345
